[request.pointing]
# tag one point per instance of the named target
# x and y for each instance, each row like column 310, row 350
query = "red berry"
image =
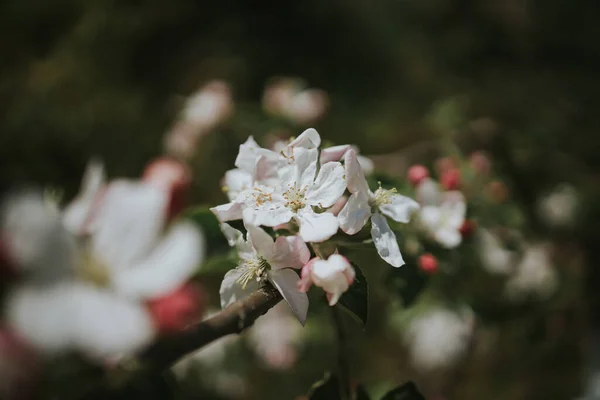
column 178, row 309
column 450, row 179
column 417, row 173
column 428, row 263
column 174, row 177
column 467, row 228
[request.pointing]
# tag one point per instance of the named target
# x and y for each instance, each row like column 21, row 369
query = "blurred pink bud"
column 182, row 140
column 308, row 106
column 444, row 164
column 279, row 93
column 428, row 263
column 173, row 177
column 450, row 179
column 481, row 163
column 467, row 228
column 209, row 106
column 178, row 309
column 417, row 173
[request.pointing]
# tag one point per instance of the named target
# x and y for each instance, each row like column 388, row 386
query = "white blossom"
column 439, row 338
column 494, row 257
column 442, row 213
column 364, row 204
column 534, row 275
column 262, row 259
column 334, row 276
column 288, row 98
column 559, row 207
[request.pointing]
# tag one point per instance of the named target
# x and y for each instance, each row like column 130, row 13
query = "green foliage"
column 356, row 300
column 407, row 391
column 326, row 389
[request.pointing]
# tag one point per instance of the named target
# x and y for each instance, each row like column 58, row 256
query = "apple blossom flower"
column 337, row 153
column 559, row 207
column 494, row 257
column 440, row 338
column 534, row 275
column 264, row 259
column 288, row 98
column 334, row 276
column 295, row 192
column 364, row 204
column 442, row 214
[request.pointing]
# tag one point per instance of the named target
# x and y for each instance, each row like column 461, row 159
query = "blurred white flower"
column 275, row 338
column 288, row 98
column 442, row 214
column 364, row 204
column 77, row 315
column 261, row 259
column 494, row 257
column 334, row 276
column 559, row 207
column 534, row 275
column 439, row 339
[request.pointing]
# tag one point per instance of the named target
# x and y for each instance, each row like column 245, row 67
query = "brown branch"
column 166, row 351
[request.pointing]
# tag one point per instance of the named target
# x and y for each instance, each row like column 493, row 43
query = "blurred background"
column 399, row 78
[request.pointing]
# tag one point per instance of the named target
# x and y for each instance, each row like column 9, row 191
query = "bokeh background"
column 518, row 78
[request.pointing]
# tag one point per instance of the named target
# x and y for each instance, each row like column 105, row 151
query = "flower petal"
column 385, row 241
column 355, row 213
column 309, row 139
column 301, row 167
column 286, row 282
column 290, row 252
column 400, row 209
column 167, row 267
column 228, row 212
column 366, row 164
column 236, row 181
column 448, row 237
column 128, row 223
column 428, row 192
column 354, row 173
column 328, row 187
column 334, row 153
column 231, row 290
column 77, row 213
column 232, row 235
column 261, row 241
column 316, row 227
column 267, row 215
column 454, row 209
column 249, row 153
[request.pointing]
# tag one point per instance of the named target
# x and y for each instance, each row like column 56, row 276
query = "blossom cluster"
column 305, row 195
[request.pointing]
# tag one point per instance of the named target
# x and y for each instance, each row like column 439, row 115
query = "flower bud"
column 178, row 309
column 417, row 173
column 450, row 179
column 172, row 176
column 334, row 276
column 467, row 228
column 428, row 263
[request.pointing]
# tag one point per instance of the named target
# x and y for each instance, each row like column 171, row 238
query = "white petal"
column 430, row 217
column 385, row 241
column 328, row 187
column 334, row 153
column 128, row 223
column 428, row 192
column 309, row 139
column 249, row 153
column 366, row 164
column 400, row 209
column 265, row 169
column 231, row 290
column 290, row 252
column 286, row 282
column 302, row 167
column 228, row 212
column 169, row 265
column 267, row 215
column 332, row 275
column 355, row 213
column 236, row 181
column 261, row 241
column 354, row 173
column 448, row 237
column 454, row 209
column 316, row 227
column 232, row 235
column 77, row 213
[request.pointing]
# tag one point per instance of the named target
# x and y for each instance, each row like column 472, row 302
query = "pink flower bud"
column 481, row 163
column 450, row 179
column 444, row 164
column 172, row 176
column 428, row 263
column 178, row 309
column 417, row 173
column 467, row 228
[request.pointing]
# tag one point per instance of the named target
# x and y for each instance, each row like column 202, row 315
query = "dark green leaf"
column 219, row 264
column 407, row 281
column 326, row 389
column 361, row 393
column 356, row 299
column 407, row 391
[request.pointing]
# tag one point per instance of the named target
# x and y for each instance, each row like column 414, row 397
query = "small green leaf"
column 219, row 264
column 361, row 393
column 326, row 389
column 407, row 391
column 356, row 300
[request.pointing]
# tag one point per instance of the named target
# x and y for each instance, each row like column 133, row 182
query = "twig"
column 167, row 350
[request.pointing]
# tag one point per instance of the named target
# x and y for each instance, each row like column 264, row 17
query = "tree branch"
column 166, row 351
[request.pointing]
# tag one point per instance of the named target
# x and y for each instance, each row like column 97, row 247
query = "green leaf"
column 356, row 300
column 326, row 389
column 407, row 391
column 407, row 281
column 219, row 264
column 361, row 393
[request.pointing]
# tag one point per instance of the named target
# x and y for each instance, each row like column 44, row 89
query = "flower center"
column 382, row 196
column 92, row 270
column 254, row 269
column 261, row 197
column 295, row 197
